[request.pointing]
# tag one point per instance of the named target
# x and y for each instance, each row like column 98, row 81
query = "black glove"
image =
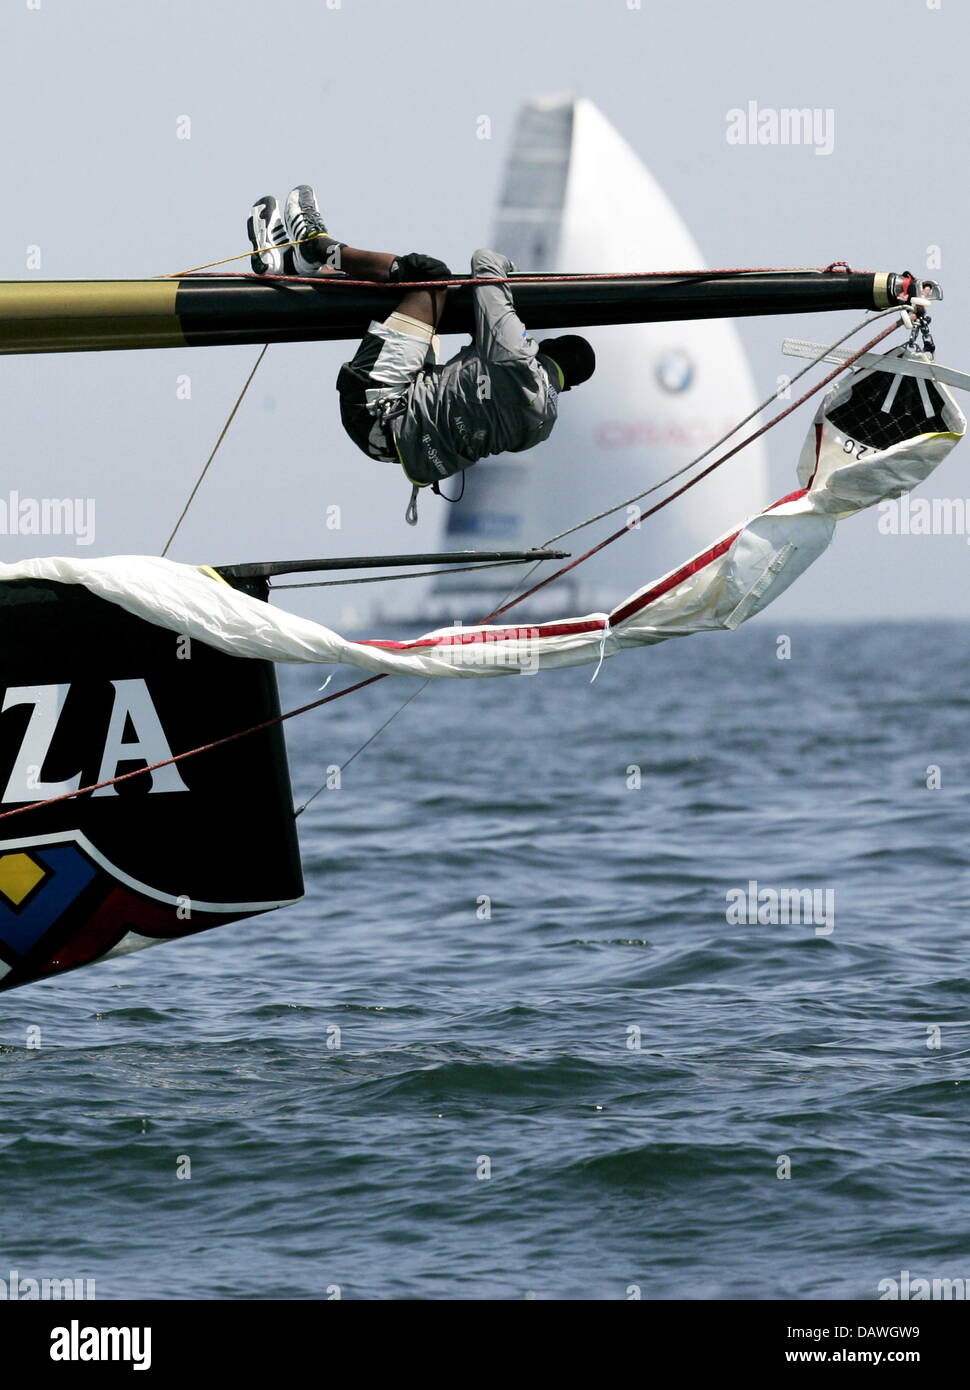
column 416, row 266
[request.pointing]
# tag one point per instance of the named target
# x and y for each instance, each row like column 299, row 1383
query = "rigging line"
column 215, row 449
column 519, row 278
column 510, row 592
column 724, row 437
column 412, row 574
column 179, row 274
column 366, row 744
column 692, row 482
column 382, row 675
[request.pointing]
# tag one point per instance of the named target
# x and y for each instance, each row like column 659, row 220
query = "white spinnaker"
column 578, row 198
column 843, row 469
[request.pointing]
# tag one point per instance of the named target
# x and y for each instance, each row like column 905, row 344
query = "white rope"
column 607, row 632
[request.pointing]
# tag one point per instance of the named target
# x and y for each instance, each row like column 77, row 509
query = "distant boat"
column 575, row 194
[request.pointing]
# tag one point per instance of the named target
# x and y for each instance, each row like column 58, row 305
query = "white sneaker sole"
column 266, row 260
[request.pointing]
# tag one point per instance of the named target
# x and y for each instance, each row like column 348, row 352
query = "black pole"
column 200, row 311
column 249, row 311
column 265, row 569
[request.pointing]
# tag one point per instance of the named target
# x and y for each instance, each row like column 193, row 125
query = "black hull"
column 164, row 855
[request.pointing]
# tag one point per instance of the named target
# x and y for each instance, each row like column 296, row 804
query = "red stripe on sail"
column 569, row 629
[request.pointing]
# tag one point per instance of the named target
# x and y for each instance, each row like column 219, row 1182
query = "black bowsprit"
column 208, row 310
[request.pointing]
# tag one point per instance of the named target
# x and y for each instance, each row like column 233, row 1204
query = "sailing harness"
column 430, row 361
column 411, row 515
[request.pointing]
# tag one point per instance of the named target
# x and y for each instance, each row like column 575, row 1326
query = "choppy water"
column 512, row 1038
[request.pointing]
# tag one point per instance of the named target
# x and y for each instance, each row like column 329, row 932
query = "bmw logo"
column 675, row 371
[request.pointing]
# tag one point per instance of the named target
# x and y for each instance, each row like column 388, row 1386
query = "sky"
column 136, row 135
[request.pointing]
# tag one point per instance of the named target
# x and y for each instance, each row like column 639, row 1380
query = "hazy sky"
column 378, row 104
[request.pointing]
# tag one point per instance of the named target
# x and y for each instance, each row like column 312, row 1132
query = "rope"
column 178, row 274
column 372, row 680
column 366, row 744
column 457, row 282
column 215, row 449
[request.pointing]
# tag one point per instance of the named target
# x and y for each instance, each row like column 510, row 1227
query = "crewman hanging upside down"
column 397, row 402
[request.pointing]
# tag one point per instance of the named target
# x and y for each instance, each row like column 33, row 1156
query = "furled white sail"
column 577, row 198
column 875, row 436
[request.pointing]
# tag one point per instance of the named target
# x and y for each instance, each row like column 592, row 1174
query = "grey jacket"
column 490, row 398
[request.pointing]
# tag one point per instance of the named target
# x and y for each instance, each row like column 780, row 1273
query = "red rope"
column 836, row 267
column 372, row 680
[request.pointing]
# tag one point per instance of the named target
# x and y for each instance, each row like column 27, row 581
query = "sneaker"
column 302, row 218
column 267, row 231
